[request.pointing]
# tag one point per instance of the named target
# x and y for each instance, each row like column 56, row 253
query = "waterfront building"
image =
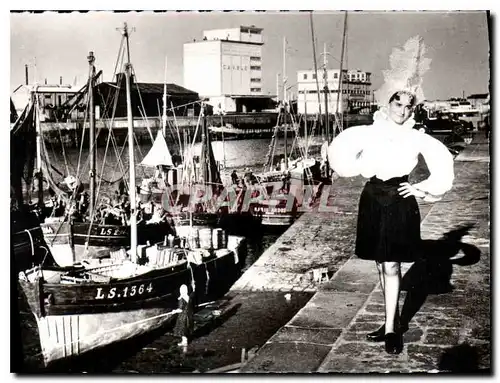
column 478, row 100
column 226, row 68
column 59, row 102
column 51, row 97
column 354, row 95
column 147, row 98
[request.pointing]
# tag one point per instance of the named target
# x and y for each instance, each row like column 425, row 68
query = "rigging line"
column 158, row 107
column 92, row 218
column 191, row 163
column 181, row 150
column 62, row 146
column 183, row 105
column 115, row 145
column 118, row 155
column 113, row 140
column 272, row 145
column 82, row 140
column 138, row 147
column 145, row 118
column 98, row 186
column 314, row 60
column 143, row 111
column 119, row 57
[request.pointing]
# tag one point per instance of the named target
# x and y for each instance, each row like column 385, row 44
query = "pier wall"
column 242, row 126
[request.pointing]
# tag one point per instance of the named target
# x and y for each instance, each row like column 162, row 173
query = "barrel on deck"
column 194, row 238
column 206, row 238
column 219, row 238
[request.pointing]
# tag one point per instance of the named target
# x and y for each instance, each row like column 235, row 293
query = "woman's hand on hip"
column 408, row 189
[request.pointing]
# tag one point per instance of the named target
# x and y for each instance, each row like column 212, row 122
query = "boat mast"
column 164, row 115
column 92, row 154
column 130, row 123
column 223, row 142
column 39, row 173
column 339, row 93
column 305, row 122
column 315, row 67
column 285, row 100
column 205, row 171
column 325, row 89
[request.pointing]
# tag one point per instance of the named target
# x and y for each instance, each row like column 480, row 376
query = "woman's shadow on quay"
column 431, row 273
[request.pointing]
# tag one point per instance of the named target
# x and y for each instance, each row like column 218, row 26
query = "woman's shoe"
column 393, row 343
column 377, row 335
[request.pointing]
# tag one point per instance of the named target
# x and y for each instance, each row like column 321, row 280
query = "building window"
column 255, row 79
column 305, row 76
column 255, row 58
column 255, row 89
column 312, row 92
column 314, row 76
column 335, row 75
column 255, row 67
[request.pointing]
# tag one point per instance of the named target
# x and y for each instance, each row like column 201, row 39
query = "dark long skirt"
column 388, row 227
column 184, row 324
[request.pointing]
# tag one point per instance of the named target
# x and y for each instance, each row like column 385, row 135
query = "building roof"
column 154, row 88
column 479, row 95
column 224, row 41
column 252, row 96
column 252, row 27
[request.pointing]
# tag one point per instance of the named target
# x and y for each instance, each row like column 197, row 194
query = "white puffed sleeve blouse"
column 386, row 150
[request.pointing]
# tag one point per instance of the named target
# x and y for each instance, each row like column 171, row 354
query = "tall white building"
column 355, row 91
column 226, row 68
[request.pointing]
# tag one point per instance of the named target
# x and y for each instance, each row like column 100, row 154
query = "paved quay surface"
column 445, row 297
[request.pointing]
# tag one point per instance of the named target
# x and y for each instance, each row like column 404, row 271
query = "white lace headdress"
column 407, row 67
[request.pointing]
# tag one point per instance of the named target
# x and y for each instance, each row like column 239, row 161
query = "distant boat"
column 286, row 186
column 193, row 190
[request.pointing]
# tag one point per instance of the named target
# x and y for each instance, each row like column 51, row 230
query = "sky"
column 57, row 44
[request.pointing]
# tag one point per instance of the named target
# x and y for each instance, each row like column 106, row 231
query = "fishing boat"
column 285, row 187
column 100, row 301
column 26, row 234
column 193, row 192
column 103, row 226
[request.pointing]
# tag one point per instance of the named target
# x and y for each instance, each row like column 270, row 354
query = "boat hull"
column 73, row 242
column 269, row 219
column 74, row 319
column 67, row 336
column 26, row 245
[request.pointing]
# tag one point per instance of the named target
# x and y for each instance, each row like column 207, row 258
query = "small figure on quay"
column 324, row 166
column 388, row 225
column 184, row 324
column 121, row 187
column 249, row 177
column 234, row 177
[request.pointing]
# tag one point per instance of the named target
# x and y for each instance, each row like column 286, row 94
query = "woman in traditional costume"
column 388, row 226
